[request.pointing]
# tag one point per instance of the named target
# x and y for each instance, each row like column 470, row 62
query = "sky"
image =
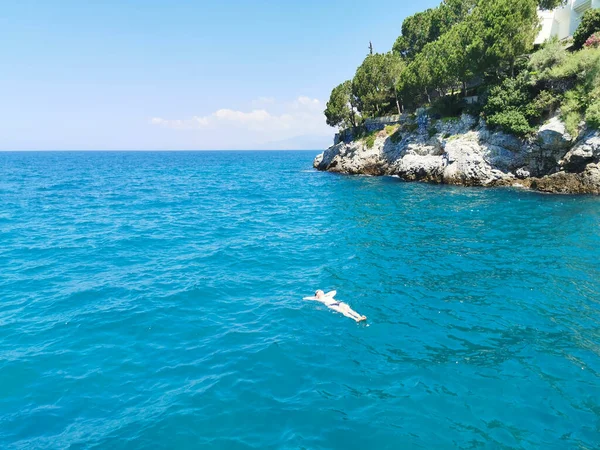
column 181, row 74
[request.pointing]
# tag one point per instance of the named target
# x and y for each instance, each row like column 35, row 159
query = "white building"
column 562, row 22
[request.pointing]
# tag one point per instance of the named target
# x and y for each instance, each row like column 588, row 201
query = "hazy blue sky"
column 149, row 74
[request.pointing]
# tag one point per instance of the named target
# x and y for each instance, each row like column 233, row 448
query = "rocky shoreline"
column 465, row 152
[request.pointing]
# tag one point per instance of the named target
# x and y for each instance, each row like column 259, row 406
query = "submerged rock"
column 465, row 152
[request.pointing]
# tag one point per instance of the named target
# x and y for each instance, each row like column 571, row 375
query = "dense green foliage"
column 510, row 121
column 549, row 56
column 554, row 79
column 417, row 31
column 374, row 85
column 507, row 29
column 517, row 105
column 481, row 47
column 340, row 109
column 551, row 4
column 590, row 23
column 579, row 78
column 592, row 115
column 429, row 25
column 505, row 107
column 486, row 43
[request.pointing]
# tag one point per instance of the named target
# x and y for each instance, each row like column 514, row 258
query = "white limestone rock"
column 584, row 153
column 466, row 152
column 553, row 136
column 413, row 167
column 473, row 164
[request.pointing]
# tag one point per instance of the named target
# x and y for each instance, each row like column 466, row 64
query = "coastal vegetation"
column 590, row 23
column 478, row 56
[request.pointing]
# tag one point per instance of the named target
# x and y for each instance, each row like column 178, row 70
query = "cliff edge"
column 466, row 152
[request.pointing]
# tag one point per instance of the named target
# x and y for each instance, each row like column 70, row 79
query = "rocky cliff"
column 465, row 152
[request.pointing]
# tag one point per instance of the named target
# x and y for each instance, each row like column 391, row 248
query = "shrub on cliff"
column 516, row 106
column 510, row 121
column 367, row 137
column 578, row 65
column 552, row 54
column 542, row 106
column 393, row 131
column 592, row 115
column 506, row 106
column 590, row 23
column 511, row 93
column 571, row 110
column 580, row 73
column 593, row 41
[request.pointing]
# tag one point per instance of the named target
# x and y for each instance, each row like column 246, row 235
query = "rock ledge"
column 465, row 152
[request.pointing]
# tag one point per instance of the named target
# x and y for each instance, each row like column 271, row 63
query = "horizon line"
column 161, row 150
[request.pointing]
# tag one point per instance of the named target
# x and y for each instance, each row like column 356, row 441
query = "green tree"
column 410, row 86
column 374, row 83
column 394, row 67
column 422, row 28
column 443, row 65
column 417, row 81
column 551, row 4
column 513, row 93
column 451, row 12
column 590, row 23
column 436, row 63
column 417, row 31
column 507, row 30
column 340, row 110
column 462, row 52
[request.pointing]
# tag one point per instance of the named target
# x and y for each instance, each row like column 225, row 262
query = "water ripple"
column 154, row 300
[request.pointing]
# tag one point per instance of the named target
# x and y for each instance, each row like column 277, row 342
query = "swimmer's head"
column 319, row 293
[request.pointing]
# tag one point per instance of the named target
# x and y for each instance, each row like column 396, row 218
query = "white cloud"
column 307, row 102
column 178, row 124
column 260, row 101
column 301, row 117
column 255, row 116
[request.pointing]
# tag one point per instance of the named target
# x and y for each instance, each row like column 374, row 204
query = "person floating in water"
column 341, row 307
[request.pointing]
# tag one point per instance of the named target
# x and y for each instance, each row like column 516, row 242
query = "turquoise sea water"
column 154, row 300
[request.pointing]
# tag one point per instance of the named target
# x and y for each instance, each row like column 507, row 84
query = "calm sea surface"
column 154, row 300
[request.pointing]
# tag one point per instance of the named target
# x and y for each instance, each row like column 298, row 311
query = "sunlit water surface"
column 154, row 300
